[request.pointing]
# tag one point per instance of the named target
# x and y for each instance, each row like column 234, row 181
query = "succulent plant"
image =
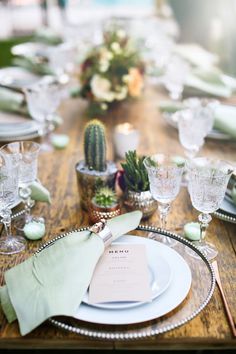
column 95, row 146
column 105, row 197
column 135, row 174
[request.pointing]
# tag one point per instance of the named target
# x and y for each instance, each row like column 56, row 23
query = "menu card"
column 121, row 275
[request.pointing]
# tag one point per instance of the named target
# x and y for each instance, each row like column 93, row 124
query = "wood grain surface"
column 210, row 328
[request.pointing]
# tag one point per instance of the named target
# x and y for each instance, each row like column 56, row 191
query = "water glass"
column 175, row 76
column 165, row 180
column 26, row 152
column 208, row 181
column 9, row 174
column 204, row 108
column 43, row 100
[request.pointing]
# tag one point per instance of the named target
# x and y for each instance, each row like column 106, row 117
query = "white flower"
column 121, row 33
column 121, row 94
column 104, row 66
column 101, row 89
column 105, row 54
column 115, row 46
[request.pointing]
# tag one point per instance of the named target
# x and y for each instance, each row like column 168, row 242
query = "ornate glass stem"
column 163, row 209
column 24, row 193
column 6, row 220
column 204, row 219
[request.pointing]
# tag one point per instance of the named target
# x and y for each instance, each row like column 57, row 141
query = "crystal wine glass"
column 204, row 108
column 175, row 75
column 208, row 181
column 165, row 179
column 8, row 198
column 27, row 154
column 192, row 131
column 43, row 99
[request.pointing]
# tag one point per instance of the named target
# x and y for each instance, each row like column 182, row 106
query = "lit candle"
column 126, row 138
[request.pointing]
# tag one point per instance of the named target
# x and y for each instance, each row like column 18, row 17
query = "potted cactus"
column 104, row 205
column 136, row 184
column 94, row 171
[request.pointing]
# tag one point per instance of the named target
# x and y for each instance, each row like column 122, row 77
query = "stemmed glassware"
column 165, row 179
column 26, row 152
column 175, row 76
column 43, row 100
column 208, row 181
column 192, row 131
column 9, row 173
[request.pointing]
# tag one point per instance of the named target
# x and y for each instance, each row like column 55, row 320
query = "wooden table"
column 210, row 328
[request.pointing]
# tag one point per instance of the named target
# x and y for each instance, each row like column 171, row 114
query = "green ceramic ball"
column 192, row 231
column 34, row 230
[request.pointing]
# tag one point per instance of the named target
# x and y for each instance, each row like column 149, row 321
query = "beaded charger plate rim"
column 222, row 215
column 121, row 335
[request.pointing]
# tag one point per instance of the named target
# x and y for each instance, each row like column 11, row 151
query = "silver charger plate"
column 227, row 210
column 202, row 288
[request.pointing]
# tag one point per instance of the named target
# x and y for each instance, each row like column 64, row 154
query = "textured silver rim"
column 224, row 217
column 123, row 335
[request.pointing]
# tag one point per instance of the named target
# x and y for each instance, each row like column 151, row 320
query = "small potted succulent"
column 94, row 171
column 104, row 205
column 136, row 184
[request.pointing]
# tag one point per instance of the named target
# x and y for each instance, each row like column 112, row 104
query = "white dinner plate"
column 173, row 296
column 214, row 134
column 160, row 277
column 14, row 127
column 16, row 77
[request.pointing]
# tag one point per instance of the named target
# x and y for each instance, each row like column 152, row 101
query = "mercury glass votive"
column 126, row 138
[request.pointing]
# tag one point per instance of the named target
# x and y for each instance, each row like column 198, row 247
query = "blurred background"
column 210, row 23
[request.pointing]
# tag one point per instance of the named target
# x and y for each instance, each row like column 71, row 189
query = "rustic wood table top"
column 210, row 329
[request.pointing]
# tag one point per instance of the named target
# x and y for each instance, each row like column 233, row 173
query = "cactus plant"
column 135, row 174
column 105, row 197
column 95, row 146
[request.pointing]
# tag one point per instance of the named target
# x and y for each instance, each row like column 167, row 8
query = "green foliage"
column 135, row 174
column 95, row 146
column 105, row 197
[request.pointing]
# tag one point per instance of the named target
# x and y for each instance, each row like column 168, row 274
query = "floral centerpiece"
column 111, row 72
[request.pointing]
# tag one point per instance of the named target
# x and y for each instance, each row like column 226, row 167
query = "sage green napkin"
column 39, row 192
column 224, row 121
column 54, row 281
column 205, row 82
column 32, row 65
column 11, row 101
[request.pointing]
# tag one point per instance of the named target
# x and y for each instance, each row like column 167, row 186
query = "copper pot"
column 96, row 213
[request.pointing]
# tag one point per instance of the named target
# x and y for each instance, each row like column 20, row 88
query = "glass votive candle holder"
column 126, row 138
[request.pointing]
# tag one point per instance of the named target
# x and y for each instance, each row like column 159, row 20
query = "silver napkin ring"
column 102, row 230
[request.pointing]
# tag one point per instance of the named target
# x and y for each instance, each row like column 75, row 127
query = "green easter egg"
column 34, row 230
column 60, row 141
column 192, row 231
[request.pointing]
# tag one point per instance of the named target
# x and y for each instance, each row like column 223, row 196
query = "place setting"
column 110, row 235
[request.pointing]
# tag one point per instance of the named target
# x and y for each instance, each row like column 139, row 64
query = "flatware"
column 227, row 309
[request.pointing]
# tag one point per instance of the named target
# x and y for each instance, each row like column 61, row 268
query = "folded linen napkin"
column 225, row 116
column 12, row 101
column 54, row 281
